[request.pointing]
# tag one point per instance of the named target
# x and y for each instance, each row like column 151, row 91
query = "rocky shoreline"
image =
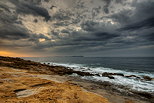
column 34, row 67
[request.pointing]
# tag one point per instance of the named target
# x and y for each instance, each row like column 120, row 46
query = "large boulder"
column 147, row 78
column 109, row 75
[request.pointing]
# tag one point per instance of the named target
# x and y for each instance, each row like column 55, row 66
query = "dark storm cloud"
column 28, row 7
column 78, row 41
column 145, row 24
column 143, row 13
column 6, row 18
column 46, row 0
column 140, row 25
column 89, row 25
column 13, row 32
column 5, row 15
column 4, row 7
column 122, row 17
column 143, row 17
column 144, row 10
column 10, row 27
column 96, row 36
column 139, row 30
column 65, row 31
column 150, row 37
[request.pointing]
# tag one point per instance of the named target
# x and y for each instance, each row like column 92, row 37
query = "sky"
column 93, row 28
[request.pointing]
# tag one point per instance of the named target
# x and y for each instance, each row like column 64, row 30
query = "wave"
column 132, row 83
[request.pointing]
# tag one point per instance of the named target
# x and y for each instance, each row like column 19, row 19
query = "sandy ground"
column 20, row 86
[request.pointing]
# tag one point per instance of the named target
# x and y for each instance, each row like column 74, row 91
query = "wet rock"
column 106, row 73
column 119, row 74
column 48, row 63
column 147, row 78
column 109, row 75
column 97, row 75
column 83, row 73
column 130, row 76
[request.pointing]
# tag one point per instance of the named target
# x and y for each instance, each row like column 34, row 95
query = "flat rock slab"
column 25, row 93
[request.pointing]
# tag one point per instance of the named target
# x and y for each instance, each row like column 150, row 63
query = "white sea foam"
column 131, row 83
column 139, row 85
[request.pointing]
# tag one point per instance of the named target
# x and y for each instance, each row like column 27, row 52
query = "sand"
column 19, row 86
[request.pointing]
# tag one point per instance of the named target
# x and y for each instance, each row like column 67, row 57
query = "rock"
column 18, row 90
column 147, row 78
column 129, row 76
column 48, row 63
column 109, row 75
column 105, row 74
column 119, row 74
column 83, row 73
column 97, row 75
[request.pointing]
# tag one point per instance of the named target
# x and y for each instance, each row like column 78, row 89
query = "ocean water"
column 139, row 66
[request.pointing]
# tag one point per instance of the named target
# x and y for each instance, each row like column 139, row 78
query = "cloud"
column 23, row 7
column 145, row 24
column 13, row 32
column 74, row 27
column 144, row 10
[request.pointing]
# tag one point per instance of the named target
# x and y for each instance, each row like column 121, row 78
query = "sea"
column 138, row 66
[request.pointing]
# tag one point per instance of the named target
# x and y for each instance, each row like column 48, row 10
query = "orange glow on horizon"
column 12, row 54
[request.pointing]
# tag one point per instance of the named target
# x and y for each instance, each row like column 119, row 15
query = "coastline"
column 62, row 74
